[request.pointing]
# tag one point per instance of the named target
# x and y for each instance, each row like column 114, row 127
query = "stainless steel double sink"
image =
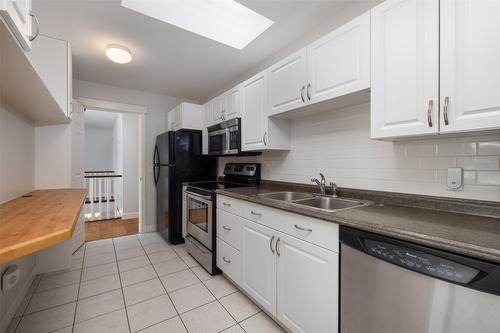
column 317, row 201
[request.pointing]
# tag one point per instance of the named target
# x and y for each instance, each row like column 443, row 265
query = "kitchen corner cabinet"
column 17, row 14
column 185, row 116
column 434, row 67
column 51, row 58
column 335, row 65
column 259, row 131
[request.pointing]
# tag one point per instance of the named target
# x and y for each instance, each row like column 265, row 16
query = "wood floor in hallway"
column 110, row 228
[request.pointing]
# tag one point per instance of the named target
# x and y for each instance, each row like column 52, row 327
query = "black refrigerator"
column 177, row 159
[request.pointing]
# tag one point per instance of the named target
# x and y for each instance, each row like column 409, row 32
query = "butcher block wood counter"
column 38, row 220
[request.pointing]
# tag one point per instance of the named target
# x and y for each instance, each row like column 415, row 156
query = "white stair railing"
column 102, row 195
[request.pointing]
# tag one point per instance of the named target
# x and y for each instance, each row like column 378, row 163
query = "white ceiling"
column 167, row 59
column 100, row 119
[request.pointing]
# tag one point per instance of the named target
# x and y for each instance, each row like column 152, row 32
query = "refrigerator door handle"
column 156, row 175
column 156, row 157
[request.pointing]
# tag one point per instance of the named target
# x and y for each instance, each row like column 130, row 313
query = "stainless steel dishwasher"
column 392, row 286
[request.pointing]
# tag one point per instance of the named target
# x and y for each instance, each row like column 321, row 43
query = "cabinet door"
column 259, row 265
column 307, row 274
column 178, row 117
column 254, row 112
column 470, row 67
column 216, row 109
column 339, row 63
column 232, row 103
column 405, row 68
column 16, row 14
column 287, row 83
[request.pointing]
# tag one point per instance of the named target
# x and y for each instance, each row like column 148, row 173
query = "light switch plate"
column 454, row 180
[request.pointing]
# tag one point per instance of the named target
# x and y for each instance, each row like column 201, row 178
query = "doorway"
column 113, row 164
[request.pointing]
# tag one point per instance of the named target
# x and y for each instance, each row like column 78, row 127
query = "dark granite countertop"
column 472, row 235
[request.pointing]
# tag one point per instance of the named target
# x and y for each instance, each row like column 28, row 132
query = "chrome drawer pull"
column 226, row 260
column 255, row 213
column 429, row 113
column 278, row 243
column 226, row 228
column 271, row 244
column 445, row 110
column 226, row 204
column 303, row 229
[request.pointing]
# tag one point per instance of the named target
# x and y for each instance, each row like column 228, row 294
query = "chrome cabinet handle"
column 429, row 113
column 271, row 244
column 255, row 213
column 37, row 25
column 226, row 260
column 445, row 110
column 308, row 95
column 226, row 204
column 264, row 138
column 277, row 243
column 302, row 94
column 302, row 229
column 226, row 228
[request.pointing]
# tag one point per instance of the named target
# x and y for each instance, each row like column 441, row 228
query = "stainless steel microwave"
column 225, row 138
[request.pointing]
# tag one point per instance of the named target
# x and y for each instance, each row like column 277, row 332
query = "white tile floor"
column 137, row 283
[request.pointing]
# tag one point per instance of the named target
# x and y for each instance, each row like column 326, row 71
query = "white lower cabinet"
column 293, row 280
column 259, row 265
column 307, row 282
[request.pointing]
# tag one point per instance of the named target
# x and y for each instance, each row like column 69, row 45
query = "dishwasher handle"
column 443, row 265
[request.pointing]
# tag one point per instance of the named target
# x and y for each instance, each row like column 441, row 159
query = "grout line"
column 78, row 293
column 121, row 288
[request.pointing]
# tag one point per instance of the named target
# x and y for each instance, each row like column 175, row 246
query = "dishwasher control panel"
column 421, row 262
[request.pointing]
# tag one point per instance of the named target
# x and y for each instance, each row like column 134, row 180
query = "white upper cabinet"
column 18, row 16
column 405, row 68
column 51, row 58
column 306, row 274
column 216, row 110
column 231, row 104
column 339, row 63
column 254, row 112
column 470, row 66
column 185, row 116
column 287, row 83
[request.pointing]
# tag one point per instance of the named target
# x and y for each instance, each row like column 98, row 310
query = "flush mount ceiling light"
column 224, row 21
column 119, row 54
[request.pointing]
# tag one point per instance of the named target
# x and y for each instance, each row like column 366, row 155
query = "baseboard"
column 11, row 311
column 126, row 216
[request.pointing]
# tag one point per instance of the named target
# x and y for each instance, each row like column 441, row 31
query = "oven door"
column 199, row 219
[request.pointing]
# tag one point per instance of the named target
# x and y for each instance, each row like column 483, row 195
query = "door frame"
column 141, row 111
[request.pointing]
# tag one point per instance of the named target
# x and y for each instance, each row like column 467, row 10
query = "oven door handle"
column 206, row 197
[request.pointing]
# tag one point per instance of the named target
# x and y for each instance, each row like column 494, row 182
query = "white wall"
column 53, row 156
column 118, row 159
column 130, row 202
column 338, row 144
column 157, row 106
column 98, row 149
column 17, row 155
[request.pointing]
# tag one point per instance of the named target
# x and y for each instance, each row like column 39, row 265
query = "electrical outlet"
column 454, row 180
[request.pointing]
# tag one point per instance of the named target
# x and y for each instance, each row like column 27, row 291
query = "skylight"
column 224, row 21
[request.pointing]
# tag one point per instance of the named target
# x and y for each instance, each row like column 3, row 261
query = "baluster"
column 91, row 190
column 108, row 197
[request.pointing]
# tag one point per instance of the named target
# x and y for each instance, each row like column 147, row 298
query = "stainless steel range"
column 200, row 210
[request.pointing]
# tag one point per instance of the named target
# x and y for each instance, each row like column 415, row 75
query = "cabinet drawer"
column 231, row 205
column 229, row 228
column 229, row 260
column 315, row 231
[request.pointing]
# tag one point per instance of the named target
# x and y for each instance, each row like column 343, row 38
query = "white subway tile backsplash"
column 479, row 163
column 338, row 144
